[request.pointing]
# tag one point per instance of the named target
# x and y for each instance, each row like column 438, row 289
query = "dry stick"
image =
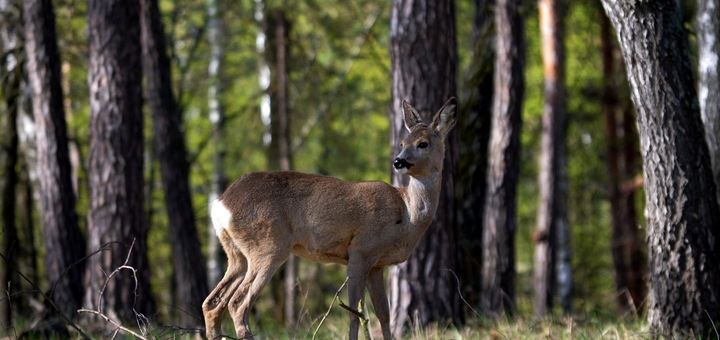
column 359, row 312
column 119, row 326
column 329, row 308
column 712, row 322
column 48, row 299
column 141, row 319
column 460, row 293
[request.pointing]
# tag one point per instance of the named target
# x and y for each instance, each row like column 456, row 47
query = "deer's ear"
column 410, row 116
column 445, row 119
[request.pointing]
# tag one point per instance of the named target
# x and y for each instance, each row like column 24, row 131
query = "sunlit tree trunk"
column 627, row 256
column 64, row 244
column 551, row 233
column 707, row 24
column 424, row 61
column 188, row 262
column 681, row 205
column 115, row 169
column 474, row 125
column 500, row 216
column 216, row 113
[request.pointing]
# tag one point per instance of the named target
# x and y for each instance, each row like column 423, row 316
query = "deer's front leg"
column 376, row 287
column 358, row 268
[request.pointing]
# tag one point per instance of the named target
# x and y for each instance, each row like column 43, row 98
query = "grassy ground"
column 336, row 327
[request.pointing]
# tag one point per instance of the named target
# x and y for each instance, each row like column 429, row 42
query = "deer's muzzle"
column 400, row 163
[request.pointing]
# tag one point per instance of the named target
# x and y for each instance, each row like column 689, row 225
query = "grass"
column 336, row 327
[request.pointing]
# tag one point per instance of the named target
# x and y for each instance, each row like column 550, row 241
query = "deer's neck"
column 422, row 201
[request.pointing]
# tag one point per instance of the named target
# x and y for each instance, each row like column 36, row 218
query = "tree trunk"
column 64, row 244
column 707, row 24
column 627, row 257
column 551, row 232
column 115, row 169
column 474, row 125
column 500, row 217
column 188, row 262
column 276, row 27
column 216, row 113
column 682, row 209
column 423, row 57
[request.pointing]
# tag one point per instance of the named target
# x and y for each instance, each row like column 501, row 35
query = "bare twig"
column 361, row 315
column 712, row 322
column 141, row 320
column 329, row 308
column 460, row 293
column 113, row 322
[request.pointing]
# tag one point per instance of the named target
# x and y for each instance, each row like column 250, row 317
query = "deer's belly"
column 318, row 255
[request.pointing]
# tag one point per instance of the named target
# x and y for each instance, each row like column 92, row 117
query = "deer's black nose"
column 400, row 163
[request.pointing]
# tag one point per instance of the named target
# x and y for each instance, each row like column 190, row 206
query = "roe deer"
column 264, row 217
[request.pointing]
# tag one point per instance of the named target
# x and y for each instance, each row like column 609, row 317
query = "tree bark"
column 188, row 262
column 552, row 213
column 424, row 60
column 500, row 217
column 682, row 209
column 64, row 244
column 707, row 26
column 474, row 125
column 115, row 169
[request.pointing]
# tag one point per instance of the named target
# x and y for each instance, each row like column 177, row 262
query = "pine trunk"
column 474, row 125
column 500, row 217
column 64, row 244
column 423, row 56
column 188, row 262
column 115, row 170
column 682, row 210
column 552, row 215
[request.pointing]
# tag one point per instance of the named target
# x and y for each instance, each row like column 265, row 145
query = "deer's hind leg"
column 263, row 263
column 217, row 301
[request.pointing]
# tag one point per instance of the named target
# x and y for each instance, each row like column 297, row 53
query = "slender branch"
column 142, row 321
column 119, row 326
column 329, row 308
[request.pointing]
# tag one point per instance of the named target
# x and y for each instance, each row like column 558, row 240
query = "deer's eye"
column 422, row 145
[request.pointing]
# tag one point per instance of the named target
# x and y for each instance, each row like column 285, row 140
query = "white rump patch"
column 220, row 216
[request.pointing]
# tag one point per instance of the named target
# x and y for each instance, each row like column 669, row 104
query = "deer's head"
column 423, row 150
